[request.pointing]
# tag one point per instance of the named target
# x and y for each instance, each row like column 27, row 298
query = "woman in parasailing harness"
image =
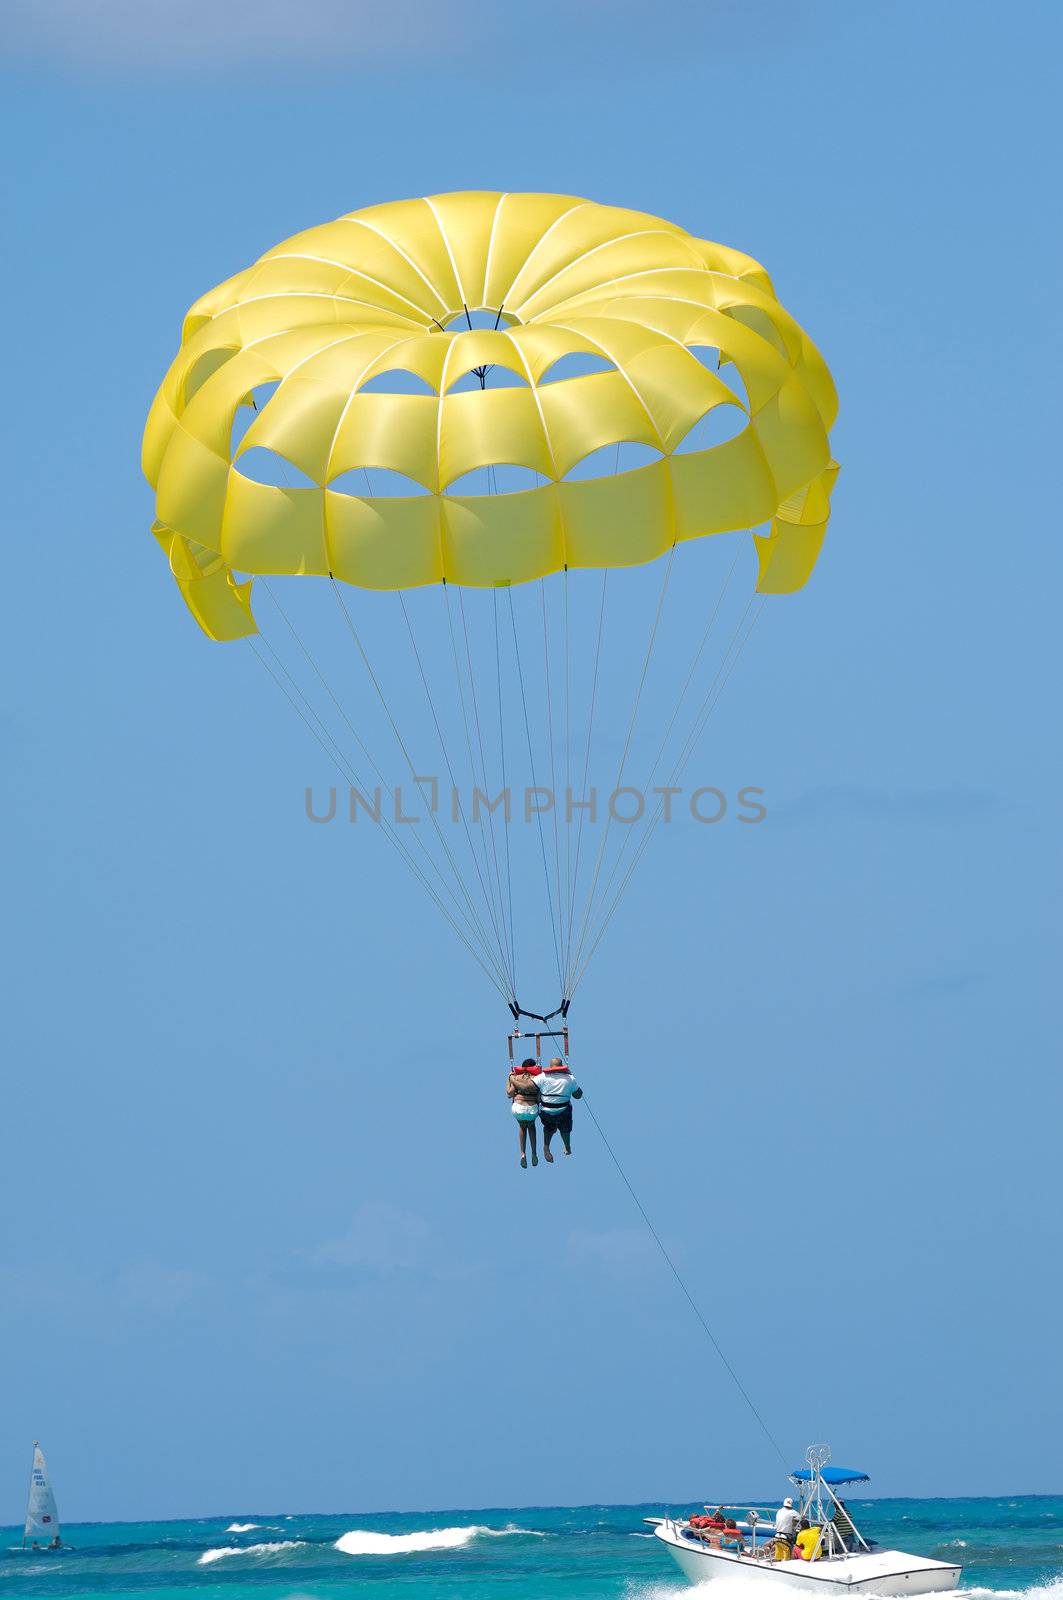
column 523, row 1091
column 557, row 1091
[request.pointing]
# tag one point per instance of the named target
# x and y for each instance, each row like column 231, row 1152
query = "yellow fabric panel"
column 354, row 244
column 819, row 382
column 210, row 306
column 396, row 431
column 604, row 264
column 413, row 229
column 384, row 543
column 582, row 414
column 382, row 289
column 299, row 424
column 190, row 494
column 787, row 556
column 766, row 327
column 465, row 223
column 220, row 605
column 266, row 529
column 479, row 428
column 654, row 281
column 620, row 521
column 343, row 357
column 423, row 354
column 523, row 226
column 480, row 347
column 294, row 274
column 677, row 390
column 721, row 258
column 204, row 367
column 541, row 345
column 583, row 230
column 722, row 489
column 501, row 538
column 792, row 437
column 157, row 431
column 618, row 339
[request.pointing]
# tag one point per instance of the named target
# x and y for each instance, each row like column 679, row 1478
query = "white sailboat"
column 42, row 1515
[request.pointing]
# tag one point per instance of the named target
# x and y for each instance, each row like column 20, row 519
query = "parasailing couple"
column 547, row 1095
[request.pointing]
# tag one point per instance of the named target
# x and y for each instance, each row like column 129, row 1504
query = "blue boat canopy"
column 833, row 1475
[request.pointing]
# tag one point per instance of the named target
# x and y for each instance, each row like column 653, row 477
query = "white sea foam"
column 511, row 1527
column 747, row 1589
column 242, row 1527
column 248, row 1550
column 360, row 1542
column 1053, row 1590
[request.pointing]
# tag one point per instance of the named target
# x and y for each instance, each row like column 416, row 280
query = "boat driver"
column 786, row 1520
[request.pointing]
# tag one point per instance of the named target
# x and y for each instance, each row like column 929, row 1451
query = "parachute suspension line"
column 535, row 786
column 708, row 705
column 335, row 755
column 699, row 652
column 364, row 749
column 505, row 806
column 754, row 607
column 492, row 859
column 589, row 908
column 325, row 684
column 473, row 915
column 568, row 763
column 485, row 791
column 553, row 773
column 677, row 1275
column 488, row 901
column 586, row 764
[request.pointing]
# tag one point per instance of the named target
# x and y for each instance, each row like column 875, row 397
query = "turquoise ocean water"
column 1009, row 1546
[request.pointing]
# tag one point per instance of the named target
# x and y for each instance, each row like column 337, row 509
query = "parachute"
column 496, row 398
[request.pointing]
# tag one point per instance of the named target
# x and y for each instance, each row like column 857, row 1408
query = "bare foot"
column 547, row 1156
column 524, row 1161
column 535, row 1159
column 567, row 1151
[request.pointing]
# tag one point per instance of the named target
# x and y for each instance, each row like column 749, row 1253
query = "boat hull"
column 883, row 1572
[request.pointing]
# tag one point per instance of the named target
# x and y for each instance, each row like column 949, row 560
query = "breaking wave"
column 360, row 1542
column 248, row 1550
column 242, row 1527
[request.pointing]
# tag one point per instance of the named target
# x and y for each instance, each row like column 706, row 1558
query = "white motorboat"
column 829, row 1554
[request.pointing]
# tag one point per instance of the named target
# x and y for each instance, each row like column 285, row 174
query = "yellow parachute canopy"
column 393, row 288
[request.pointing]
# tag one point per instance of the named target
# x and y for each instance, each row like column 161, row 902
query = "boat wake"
column 1053, row 1590
column 747, row 1588
column 360, row 1542
column 225, row 1551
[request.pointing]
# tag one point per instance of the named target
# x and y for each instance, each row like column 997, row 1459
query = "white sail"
column 42, row 1517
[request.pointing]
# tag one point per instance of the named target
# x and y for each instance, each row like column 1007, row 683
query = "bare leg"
column 532, row 1136
column 547, row 1135
column 522, row 1134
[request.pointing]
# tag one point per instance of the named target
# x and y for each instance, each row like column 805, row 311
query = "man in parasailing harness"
column 557, row 1090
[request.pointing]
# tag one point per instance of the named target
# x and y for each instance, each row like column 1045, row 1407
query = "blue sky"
column 265, row 1242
